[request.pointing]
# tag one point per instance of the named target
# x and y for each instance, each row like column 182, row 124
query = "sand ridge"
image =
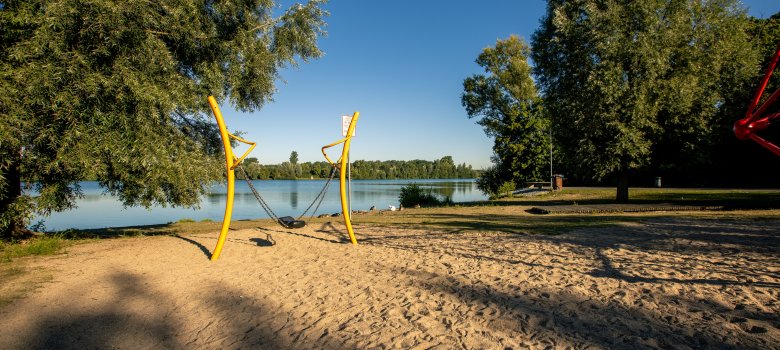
column 661, row 283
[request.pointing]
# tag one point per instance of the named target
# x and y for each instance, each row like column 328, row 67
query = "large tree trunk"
column 10, row 192
column 622, row 187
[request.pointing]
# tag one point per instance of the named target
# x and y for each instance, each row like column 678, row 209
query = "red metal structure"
column 755, row 120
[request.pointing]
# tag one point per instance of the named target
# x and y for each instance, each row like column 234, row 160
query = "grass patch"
column 509, row 214
column 729, row 199
column 494, row 219
column 43, row 245
column 17, row 280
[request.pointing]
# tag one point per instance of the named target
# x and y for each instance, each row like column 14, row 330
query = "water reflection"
column 285, row 197
column 215, row 198
column 294, row 195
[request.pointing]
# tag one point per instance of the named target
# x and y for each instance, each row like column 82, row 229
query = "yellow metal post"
column 231, row 178
column 230, row 162
column 343, row 173
column 343, row 177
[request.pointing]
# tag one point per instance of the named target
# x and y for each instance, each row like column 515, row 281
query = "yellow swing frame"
column 343, row 174
column 231, row 162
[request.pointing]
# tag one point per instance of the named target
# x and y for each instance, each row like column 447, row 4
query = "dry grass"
column 17, row 280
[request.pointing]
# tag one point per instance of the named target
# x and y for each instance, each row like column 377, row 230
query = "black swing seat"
column 290, row 222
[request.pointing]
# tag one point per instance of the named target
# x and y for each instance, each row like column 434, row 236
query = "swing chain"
column 260, row 199
column 320, row 196
column 318, row 199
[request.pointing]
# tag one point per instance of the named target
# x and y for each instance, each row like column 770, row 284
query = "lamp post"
column 551, row 157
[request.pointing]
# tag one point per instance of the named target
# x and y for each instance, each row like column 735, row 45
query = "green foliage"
column 506, row 189
column 494, row 185
column 444, row 168
column 506, row 103
column 734, row 162
column 294, row 157
column 490, row 180
column 413, row 194
column 16, row 211
column 639, row 84
column 44, row 245
column 766, row 37
column 116, row 91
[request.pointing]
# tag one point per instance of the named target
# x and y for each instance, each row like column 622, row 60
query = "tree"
column 444, row 168
column 116, row 91
column 737, row 162
column 635, row 84
column 766, row 36
column 295, row 169
column 252, row 167
column 294, row 158
column 491, row 180
column 509, row 109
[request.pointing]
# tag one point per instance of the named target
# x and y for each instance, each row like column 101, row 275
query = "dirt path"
column 662, row 283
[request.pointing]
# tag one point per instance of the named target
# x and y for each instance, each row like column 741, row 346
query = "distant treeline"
column 444, row 168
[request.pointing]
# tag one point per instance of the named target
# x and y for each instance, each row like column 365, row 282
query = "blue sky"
column 401, row 64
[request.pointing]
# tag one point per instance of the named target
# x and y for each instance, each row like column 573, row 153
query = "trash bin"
column 658, row 182
column 557, row 182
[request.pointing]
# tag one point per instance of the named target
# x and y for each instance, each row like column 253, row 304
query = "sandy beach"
column 673, row 282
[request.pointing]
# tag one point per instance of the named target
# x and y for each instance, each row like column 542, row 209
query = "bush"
column 492, row 183
column 506, row 189
column 413, row 194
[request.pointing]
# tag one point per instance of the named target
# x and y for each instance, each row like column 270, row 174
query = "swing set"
column 232, row 163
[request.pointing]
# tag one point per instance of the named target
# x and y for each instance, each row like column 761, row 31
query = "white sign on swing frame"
column 345, row 120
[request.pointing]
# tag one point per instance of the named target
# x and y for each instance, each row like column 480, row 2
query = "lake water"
column 285, row 197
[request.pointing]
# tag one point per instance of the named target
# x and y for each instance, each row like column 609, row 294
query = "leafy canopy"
column 506, row 102
column 636, row 84
column 116, row 91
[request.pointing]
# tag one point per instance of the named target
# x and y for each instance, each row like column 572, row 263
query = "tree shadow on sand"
column 108, row 327
column 138, row 317
column 455, row 222
column 740, row 251
column 657, row 259
column 558, row 318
